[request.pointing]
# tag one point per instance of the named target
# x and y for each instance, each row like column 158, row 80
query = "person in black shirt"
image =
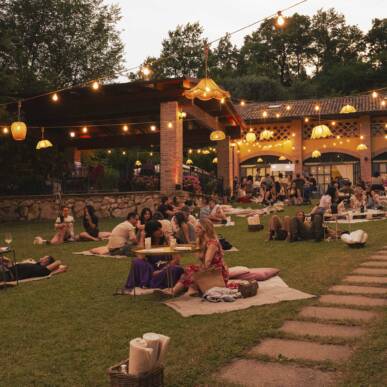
column 90, row 224
column 166, row 208
column 44, row 267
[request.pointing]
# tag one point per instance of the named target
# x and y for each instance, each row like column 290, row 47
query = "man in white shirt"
column 123, row 236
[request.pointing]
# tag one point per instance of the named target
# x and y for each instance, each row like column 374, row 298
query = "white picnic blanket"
column 271, row 291
column 89, row 253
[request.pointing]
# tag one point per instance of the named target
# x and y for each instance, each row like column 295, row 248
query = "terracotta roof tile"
column 306, row 107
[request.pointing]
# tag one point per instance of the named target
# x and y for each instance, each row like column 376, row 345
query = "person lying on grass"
column 210, row 256
column 32, row 269
column 212, row 211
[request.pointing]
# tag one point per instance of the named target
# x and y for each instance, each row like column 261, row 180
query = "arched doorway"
column 269, row 164
column 331, row 165
column 379, row 165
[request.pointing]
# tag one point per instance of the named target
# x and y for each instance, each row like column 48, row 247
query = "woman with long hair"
column 210, row 255
column 185, row 232
column 90, row 224
column 153, row 271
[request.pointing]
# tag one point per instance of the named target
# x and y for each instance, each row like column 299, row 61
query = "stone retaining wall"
column 116, row 205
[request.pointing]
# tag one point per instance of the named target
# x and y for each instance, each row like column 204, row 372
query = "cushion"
column 259, row 274
column 236, row 271
column 355, row 237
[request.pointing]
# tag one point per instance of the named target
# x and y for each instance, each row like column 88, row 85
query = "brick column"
column 296, row 127
column 365, row 155
column 225, row 162
column 171, row 147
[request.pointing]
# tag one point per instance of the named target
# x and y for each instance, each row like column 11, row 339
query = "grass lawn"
column 68, row 330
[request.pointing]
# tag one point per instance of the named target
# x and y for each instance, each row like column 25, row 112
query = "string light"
column 109, row 151
column 72, row 134
column 264, row 114
column 182, row 115
column 333, row 123
column 361, row 137
column 338, row 137
column 293, row 134
column 55, row 97
column 288, row 107
column 123, row 153
column 125, row 128
column 95, row 85
column 5, row 130
column 280, row 19
column 150, row 154
column 84, row 129
column 146, row 72
column 383, row 103
column 242, row 103
column 306, row 119
column 170, row 125
column 190, row 151
column 153, row 128
column 277, row 115
column 222, row 100
column 375, row 94
column 316, row 108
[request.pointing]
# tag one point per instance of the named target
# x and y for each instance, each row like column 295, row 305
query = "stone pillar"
column 365, row 155
column 297, row 144
column 225, row 162
column 171, row 147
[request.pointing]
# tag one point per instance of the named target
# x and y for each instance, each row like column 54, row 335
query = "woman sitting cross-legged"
column 90, row 224
column 211, row 255
column 154, row 271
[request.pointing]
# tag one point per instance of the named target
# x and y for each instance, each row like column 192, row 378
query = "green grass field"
column 68, row 330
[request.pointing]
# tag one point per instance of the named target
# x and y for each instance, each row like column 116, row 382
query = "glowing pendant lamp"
column 320, row 131
column 138, row 163
column 316, row 154
column 18, row 128
column 206, row 152
column 189, row 162
column 266, row 135
column 217, row 135
column 282, row 158
column 43, row 143
column 251, row 136
column 259, row 160
column 215, row 160
column 206, row 89
column 362, row 147
column 346, row 109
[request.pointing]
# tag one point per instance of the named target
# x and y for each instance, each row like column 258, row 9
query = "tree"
column 182, row 54
column 333, row 41
column 377, row 46
column 224, row 59
column 49, row 44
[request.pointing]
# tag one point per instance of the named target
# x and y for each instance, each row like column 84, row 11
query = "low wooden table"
column 166, row 251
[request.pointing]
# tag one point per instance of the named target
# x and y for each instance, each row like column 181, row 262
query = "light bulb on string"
column 5, row 130
column 55, row 97
column 153, row 128
column 280, row 19
column 125, row 128
column 72, row 134
column 242, row 103
column 85, row 130
column 146, row 72
column 95, row 85
column 375, row 94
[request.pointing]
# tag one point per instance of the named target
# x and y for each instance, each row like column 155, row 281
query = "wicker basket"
column 154, row 378
column 255, row 227
column 249, row 289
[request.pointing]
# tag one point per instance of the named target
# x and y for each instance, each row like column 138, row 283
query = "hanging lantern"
column 282, row 158
column 205, row 90
column 138, row 163
column 259, row 160
column 251, row 137
column 316, row 154
column 346, row 109
column 320, row 131
column 215, row 160
column 206, row 152
column 43, row 143
column 266, row 135
column 189, row 162
column 217, row 135
column 362, row 147
column 18, row 128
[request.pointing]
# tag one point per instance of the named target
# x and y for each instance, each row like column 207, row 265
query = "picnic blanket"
column 89, row 253
column 272, row 291
column 346, row 221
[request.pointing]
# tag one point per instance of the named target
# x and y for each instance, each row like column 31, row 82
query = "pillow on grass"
column 236, row 271
column 260, row 274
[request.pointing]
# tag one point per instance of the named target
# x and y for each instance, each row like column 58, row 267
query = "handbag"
column 248, row 288
column 209, row 278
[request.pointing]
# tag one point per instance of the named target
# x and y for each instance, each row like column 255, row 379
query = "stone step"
column 362, row 279
column 374, row 264
column 303, row 328
column 254, row 373
column 358, row 289
column 330, row 313
column 378, row 257
column 302, row 350
column 352, row 300
column 370, row 271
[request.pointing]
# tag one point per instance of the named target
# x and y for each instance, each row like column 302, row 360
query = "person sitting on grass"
column 64, row 226
column 185, row 231
column 31, row 269
column 213, row 212
column 166, row 208
column 210, row 256
column 165, row 224
column 153, row 271
column 123, row 236
column 90, row 224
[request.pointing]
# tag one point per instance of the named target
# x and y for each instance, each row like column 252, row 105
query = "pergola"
column 139, row 105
